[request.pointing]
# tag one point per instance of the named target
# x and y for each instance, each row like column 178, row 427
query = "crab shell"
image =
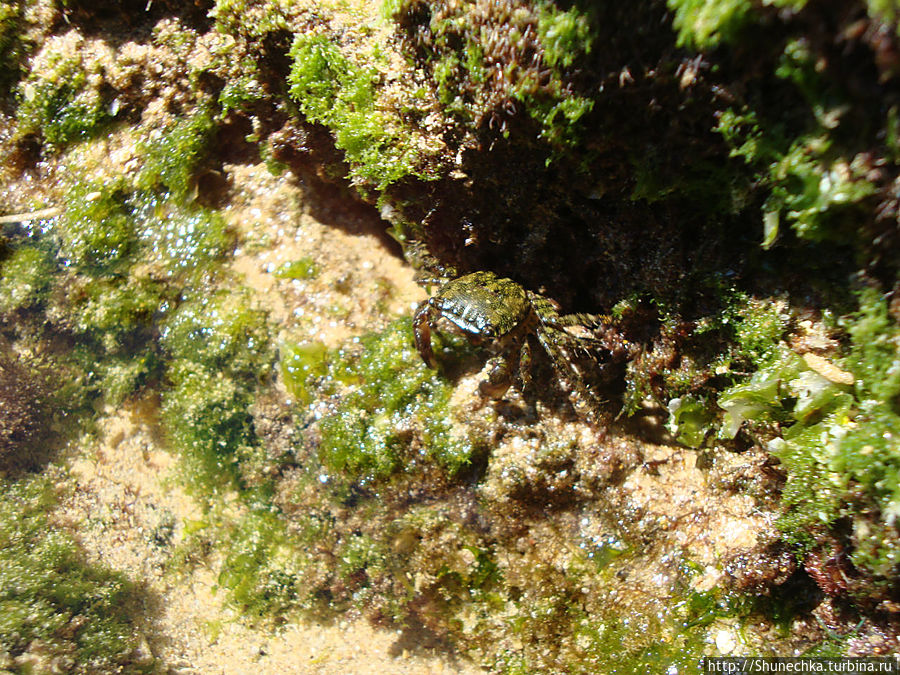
column 484, row 307
column 502, row 315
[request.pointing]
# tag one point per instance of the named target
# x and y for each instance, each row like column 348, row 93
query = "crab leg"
column 525, row 365
column 499, row 378
column 586, row 320
column 422, row 333
column 563, row 364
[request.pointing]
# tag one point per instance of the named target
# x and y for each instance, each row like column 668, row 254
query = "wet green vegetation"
column 304, row 268
column 393, row 400
column 336, row 91
column 108, row 301
column 839, row 444
column 172, row 155
column 105, row 273
column 11, row 47
column 477, row 61
column 217, row 352
column 61, row 104
column 58, row 612
column 831, row 421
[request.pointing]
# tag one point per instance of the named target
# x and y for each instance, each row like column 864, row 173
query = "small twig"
column 31, row 215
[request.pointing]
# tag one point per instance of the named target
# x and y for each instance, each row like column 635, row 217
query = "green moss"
column 392, row 399
column 171, row 156
column 265, row 567
column 460, row 44
column 12, row 49
column 565, row 35
column 59, row 105
column 704, row 24
column 333, row 90
column 234, row 16
column 25, row 277
column 304, row 268
column 218, row 350
column 558, row 117
column 300, row 365
column 839, row 444
column 82, row 616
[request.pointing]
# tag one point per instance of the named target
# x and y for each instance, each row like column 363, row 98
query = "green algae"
column 559, row 630
column 837, row 441
column 209, row 425
column 759, row 329
column 13, row 48
column 392, row 398
column 98, row 234
column 400, row 427
column 131, row 252
column 815, row 177
column 55, row 608
column 212, row 373
column 754, row 332
column 300, row 365
column 334, row 90
column 172, row 155
column 220, row 333
column 25, row 277
column 816, row 196
column 266, row 568
column 332, row 546
column 104, row 274
column 60, row 105
column 109, row 228
column 303, row 268
column 217, row 351
column 839, row 444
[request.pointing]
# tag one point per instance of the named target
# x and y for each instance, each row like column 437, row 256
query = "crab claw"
column 422, row 333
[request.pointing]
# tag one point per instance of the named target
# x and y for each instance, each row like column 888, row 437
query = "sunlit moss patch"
column 393, row 412
column 57, row 612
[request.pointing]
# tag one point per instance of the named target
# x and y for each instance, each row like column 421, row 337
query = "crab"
column 502, row 315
